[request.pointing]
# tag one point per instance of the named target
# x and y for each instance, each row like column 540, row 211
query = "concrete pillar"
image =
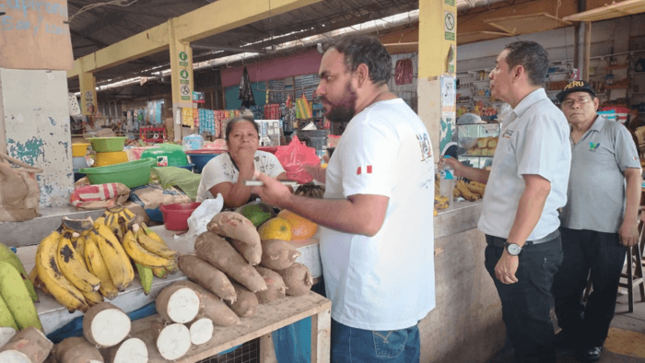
column 437, row 36
column 181, row 66
column 35, row 128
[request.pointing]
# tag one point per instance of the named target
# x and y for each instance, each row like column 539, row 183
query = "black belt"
column 499, row 242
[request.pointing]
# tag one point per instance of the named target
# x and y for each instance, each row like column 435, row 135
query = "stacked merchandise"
column 207, row 123
column 272, row 111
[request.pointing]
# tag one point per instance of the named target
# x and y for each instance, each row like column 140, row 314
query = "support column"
column 89, row 102
column 181, row 67
column 437, row 56
column 586, row 54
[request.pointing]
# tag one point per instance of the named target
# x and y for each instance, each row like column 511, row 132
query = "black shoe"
column 589, row 355
column 564, row 340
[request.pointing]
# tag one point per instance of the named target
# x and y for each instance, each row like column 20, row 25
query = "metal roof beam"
column 208, row 20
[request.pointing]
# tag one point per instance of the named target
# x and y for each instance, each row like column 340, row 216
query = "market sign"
column 33, row 35
column 450, row 23
column 185, row 92
column 183, row 57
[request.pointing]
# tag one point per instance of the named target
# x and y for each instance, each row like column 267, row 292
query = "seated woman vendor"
column 225, row 174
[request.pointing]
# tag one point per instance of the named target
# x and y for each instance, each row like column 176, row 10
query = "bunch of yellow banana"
column 118, row 219
column 150, row 254
column 48, row 274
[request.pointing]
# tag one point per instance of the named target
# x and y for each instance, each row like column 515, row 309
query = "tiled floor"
column 625, row 343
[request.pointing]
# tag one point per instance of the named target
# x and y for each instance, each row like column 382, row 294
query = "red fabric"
column 404, row 72
column 109, row 192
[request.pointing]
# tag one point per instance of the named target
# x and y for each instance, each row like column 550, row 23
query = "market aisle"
column 625, row 343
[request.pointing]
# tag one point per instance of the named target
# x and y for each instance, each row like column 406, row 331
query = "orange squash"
column 301, row 228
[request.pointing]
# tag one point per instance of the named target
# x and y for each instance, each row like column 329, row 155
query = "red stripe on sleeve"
column 358, row 171
column 369, row 169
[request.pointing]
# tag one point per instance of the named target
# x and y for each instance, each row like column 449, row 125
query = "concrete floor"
column 625, row 343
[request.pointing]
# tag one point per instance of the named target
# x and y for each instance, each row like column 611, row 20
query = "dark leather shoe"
column 565, row 340
column 589, row 355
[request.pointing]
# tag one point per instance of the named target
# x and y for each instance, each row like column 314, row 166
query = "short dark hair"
column 232, row 122
column 532, row 56
column 357, row 49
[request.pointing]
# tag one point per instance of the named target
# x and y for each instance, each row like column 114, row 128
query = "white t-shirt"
column 534, row 140
column 221, row 169
column 385, row 282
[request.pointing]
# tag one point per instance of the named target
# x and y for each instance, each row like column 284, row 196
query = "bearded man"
column 376, row 244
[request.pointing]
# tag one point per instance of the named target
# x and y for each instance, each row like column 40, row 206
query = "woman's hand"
column 244, row 158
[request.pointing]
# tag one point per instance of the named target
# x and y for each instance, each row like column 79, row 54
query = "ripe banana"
column 96, row 265
column 140, row 254
column 145, row 276
column 92, row 298
column 6, row 318
column 72, row 268
column 152, row 245
column 52, row 278
column 114, row 255
column 7, row 255
column 160, row 272
column 77, row 225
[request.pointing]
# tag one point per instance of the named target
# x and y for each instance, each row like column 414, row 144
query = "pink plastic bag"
column 294, row 156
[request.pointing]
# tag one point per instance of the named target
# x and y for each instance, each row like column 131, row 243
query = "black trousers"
column 526, row 304
column 601, row 254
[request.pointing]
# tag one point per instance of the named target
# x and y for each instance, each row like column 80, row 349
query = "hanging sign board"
column 33, row 35
column 450, row 23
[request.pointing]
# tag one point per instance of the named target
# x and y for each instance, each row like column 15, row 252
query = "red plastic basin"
column 175, row 216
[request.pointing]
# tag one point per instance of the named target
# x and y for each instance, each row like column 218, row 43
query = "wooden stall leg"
column 321, row 337
column 267, row 349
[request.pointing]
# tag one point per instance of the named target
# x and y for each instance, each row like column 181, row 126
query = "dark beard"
column 345, row 110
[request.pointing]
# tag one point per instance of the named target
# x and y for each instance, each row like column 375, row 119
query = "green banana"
column 15, row 295
column 52, row 279
column 73, row 267
column 145, row 276
column 6, row 319
column 7, row 255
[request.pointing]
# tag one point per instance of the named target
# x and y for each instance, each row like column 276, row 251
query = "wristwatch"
column 513, row 249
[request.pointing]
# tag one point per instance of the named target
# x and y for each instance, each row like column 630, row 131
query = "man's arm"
column 478, row 175
column 358, row 214
column 629, row 229
column 528, row 214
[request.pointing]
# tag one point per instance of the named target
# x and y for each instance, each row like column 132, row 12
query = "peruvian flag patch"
column 368, row 170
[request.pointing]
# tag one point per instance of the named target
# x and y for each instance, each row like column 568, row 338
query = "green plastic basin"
column 107, row 144
column 133, row 173
column 176, row 157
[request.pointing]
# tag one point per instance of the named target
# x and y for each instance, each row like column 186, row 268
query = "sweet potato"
column 207, row 276
column 211, row 306
column 178, row 303
column 30, row 345
column 172, row 340
column 297, row 278
column 275, row 286
column 219, row 253
column 252, row 253
column 278, row 254
column 105, row 325
column 236, row 226
column 246, row 302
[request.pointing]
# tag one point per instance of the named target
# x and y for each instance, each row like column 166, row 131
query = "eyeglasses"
column 570, row 101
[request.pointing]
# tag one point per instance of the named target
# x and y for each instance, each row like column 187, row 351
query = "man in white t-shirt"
column 526, row 186
column 376, row 244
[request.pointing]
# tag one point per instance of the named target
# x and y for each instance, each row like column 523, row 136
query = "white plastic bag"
column 198, row 221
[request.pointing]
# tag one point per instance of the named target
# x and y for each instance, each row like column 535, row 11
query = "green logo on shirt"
column 593, row 147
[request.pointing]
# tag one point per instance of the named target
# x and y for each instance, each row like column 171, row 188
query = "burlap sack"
column 19, row 191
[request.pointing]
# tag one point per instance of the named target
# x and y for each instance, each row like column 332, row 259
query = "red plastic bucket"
column 175, row 216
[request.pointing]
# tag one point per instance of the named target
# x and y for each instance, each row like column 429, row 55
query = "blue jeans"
column 526, row 304
column 351, row 345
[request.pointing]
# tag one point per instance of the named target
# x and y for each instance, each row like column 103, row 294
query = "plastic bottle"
column 447, row 181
